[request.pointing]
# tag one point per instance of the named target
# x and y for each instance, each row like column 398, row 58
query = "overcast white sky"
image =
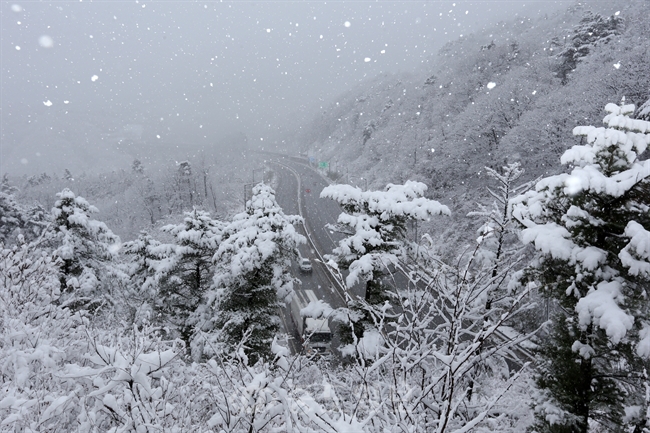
column 238, row 65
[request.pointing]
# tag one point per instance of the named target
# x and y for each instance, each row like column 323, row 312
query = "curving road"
column 298, row 193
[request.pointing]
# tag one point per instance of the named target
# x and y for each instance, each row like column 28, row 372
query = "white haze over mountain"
column 88, row 86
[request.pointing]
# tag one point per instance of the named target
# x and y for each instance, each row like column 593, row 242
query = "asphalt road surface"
column 298, row 193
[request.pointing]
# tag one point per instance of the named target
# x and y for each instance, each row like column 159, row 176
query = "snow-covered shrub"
column 37, row 339
column 132, row 383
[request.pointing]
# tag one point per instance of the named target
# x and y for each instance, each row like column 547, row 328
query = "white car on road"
column 305, row 264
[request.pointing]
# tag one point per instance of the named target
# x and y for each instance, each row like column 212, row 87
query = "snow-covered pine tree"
column 86, row 247
column 142, row 255
column 6, row 186
column 591, row 229
column 252, row 278
column 185, row 270
column 67, row 175
column 376, row 225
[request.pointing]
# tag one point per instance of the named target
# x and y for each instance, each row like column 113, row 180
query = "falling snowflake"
column 491, row 85
column 94, row 78
column 45, row 41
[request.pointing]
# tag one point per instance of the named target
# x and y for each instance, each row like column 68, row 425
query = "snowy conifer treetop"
column 197, row 229
column 86, row 246
column 396, row 200
column 376, row 221
column 72, row 211
column 591, row 228
column 253, row 235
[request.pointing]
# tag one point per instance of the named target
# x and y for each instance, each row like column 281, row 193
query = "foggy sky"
column 215, row 66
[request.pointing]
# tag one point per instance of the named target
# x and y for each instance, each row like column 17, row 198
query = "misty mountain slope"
column 494, row 97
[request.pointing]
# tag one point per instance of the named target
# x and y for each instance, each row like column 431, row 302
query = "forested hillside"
column 508, row 94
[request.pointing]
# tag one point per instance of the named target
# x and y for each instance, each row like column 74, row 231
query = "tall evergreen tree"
column 591, row 229
column 185, row 271
column 376, row 225
column 142, row 255
column 86, row 247
column 253, row 277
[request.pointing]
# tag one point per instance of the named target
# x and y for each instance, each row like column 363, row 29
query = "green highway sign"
column 323, row 164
